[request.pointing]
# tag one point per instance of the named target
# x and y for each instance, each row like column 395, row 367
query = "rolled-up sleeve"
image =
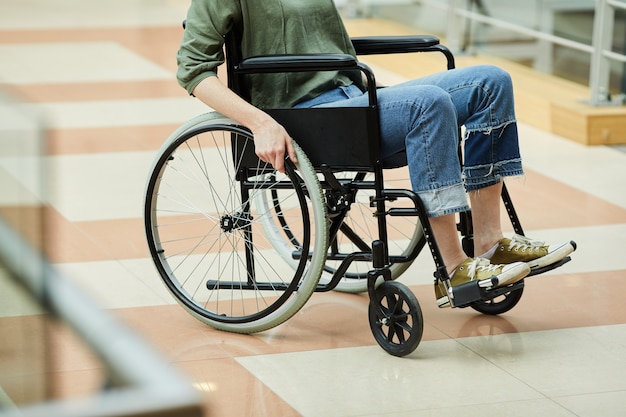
column 201, row 50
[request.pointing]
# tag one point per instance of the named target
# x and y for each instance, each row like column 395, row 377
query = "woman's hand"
column 271, row 142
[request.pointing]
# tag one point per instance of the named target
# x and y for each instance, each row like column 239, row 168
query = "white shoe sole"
column 513, row 273
column 443, row 302
column 553, row 257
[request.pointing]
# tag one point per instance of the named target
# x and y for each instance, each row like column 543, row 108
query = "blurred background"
column 87, row 97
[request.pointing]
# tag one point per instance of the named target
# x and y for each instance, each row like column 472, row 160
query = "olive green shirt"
column 269, row 27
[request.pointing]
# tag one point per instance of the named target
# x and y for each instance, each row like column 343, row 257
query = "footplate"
column 549, row 267
column 474, row 291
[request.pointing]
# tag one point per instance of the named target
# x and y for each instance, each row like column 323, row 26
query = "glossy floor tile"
column 103, row 76
column 512, row 371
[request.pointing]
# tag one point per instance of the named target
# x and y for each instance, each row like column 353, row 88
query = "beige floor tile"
column 606, row 404
column 351, row 381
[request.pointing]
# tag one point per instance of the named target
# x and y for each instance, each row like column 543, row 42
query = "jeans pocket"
column 351, row 91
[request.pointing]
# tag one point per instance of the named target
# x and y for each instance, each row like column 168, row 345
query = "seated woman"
column 420, row 118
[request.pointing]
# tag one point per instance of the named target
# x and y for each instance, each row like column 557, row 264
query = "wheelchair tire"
column 204, row 233
column 499, row 305
column 396, row 318
column 405, row 233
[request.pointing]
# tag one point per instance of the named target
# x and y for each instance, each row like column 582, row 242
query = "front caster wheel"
column 396, row 318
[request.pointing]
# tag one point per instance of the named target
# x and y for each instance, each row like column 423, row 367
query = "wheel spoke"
column 212, row 241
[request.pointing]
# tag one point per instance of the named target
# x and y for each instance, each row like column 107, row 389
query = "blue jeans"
column 419, row 122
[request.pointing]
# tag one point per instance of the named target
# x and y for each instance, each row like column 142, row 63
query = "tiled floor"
column 103, row 73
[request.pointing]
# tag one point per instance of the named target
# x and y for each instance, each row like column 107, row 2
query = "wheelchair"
column 242, row 247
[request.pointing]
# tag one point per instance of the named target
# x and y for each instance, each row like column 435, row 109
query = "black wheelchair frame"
column 395, row 315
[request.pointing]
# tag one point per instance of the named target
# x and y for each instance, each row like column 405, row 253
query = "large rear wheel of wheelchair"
column 205, row 232
column 358, row 230
column 396, row 318
column 500, row 304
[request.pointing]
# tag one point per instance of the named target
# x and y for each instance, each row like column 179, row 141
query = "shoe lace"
column 525, row 244
column 480, row 264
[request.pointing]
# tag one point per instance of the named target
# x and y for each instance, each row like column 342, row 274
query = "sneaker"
column 534, row 253
column 480, row 269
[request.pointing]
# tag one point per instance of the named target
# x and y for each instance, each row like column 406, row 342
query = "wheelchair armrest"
column 296, row 63
column 375, row 45
column 308, row 63
column 393, row 44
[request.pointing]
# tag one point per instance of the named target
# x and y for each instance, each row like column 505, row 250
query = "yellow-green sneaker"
column 480, row 269
column 534, row 253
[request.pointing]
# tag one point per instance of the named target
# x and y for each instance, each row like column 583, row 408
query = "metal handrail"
column 600, row 52
column 602, row 55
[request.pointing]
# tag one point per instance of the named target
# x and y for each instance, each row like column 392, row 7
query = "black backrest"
column 344, row 138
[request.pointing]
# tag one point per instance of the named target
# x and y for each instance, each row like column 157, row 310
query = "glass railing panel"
column 59, row 354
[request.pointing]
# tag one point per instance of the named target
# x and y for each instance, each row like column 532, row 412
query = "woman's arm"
column 271, row 140
column 199, row 55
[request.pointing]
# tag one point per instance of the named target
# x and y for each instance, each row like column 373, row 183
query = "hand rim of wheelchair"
column 296, row 293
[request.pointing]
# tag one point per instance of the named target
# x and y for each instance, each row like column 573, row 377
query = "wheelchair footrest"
column 549, row 267
column 467, row 293
column 474, row 291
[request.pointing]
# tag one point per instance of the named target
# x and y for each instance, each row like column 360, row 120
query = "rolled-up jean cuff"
column 477, row 177
column 444, row 201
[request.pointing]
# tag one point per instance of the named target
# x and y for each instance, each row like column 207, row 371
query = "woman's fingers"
column 272, row 144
